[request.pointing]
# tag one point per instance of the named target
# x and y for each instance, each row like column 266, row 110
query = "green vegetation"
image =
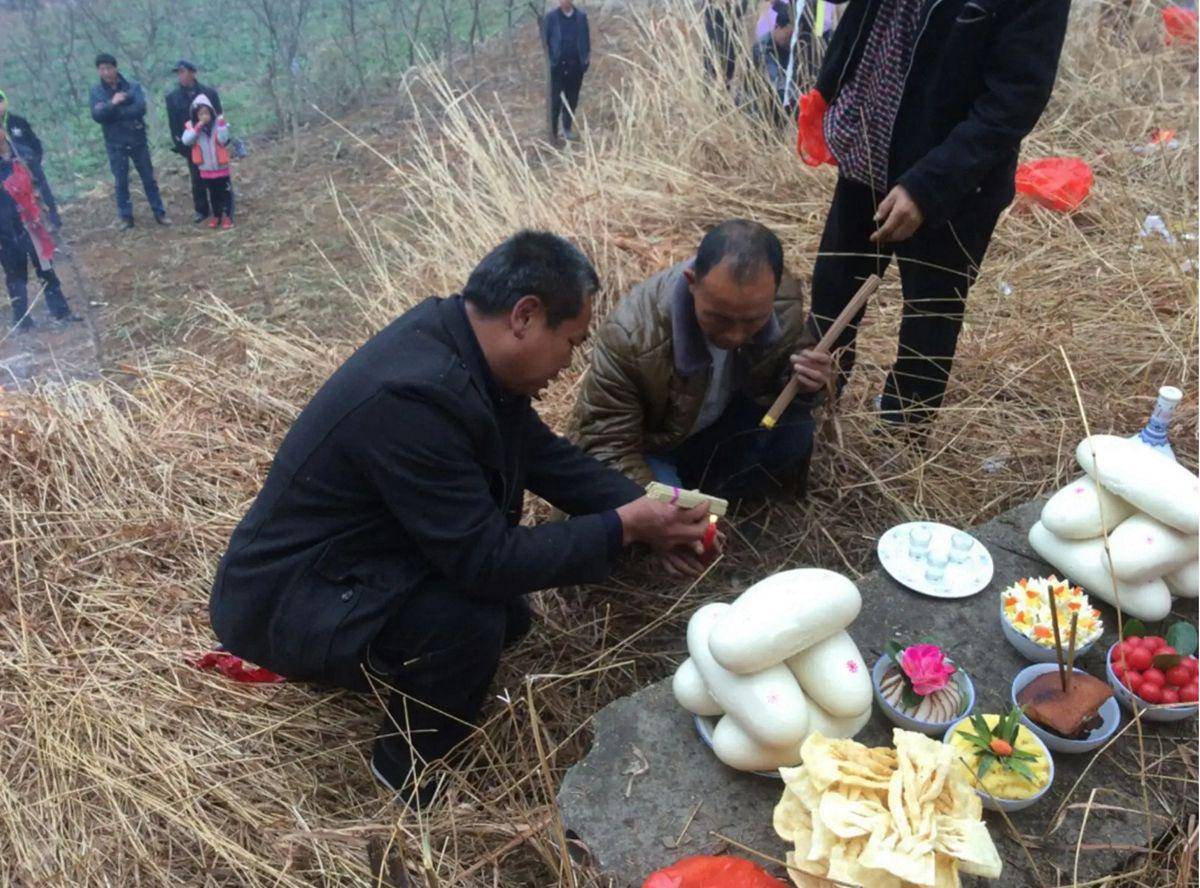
column 271, row 59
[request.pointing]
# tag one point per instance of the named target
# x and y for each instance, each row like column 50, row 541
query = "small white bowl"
column 1170, row 712
column 1031, row 650
column 899, row 719
column 1109, row 711
column 991, row 802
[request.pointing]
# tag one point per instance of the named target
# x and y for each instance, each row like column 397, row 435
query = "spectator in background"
column 206, row 135
column 773, row 57
column 23, row 239
column 926, row 114
column 721, row 19
column 568, row 48
column 119, row 106
column 179, row 110
column 29, row 148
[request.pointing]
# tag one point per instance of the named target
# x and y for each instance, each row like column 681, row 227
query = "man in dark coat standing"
column 386, row 548
column 928, row 105
column 29, row 148
column 569, row 50
column 119, row 106
column 179, row 105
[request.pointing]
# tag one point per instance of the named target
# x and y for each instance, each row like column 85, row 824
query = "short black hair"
column 746, row 245
column 533, row 263
column 106, row 58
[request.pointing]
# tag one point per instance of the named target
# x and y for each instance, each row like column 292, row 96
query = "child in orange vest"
column 208, row 135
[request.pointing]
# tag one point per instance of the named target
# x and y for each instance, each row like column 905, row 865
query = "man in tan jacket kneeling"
column 687, row 363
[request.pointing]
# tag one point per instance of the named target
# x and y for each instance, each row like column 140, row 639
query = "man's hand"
column 813, row 369
column 662, row 526
column 118, row 98
column 898, row 217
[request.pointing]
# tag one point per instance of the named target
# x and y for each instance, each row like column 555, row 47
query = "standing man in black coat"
column 179, row 108
column 119, row 106
column 569, row 51
column 29, row 149
column 929, row 101
column 386, row 546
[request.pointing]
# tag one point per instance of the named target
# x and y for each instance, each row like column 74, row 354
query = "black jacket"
column 552, row 29
column 404, row 473
column 123, row 124
column 24, row 139
column 179, row 110
column 981, row 75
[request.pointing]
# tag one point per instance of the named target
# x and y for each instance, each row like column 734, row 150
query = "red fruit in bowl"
column 1191, row 663
column 1139, row 659
column 1154, row 642
column 1188, row 694
column 1165, row 649
column 1178, row 676
column 1154, row 676
column 1119, row 671
column 1133, row 681
column 1170, row 695
column 1151, row 693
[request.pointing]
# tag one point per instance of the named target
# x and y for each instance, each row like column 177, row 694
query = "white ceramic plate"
column 705, row 725
column 961, row 580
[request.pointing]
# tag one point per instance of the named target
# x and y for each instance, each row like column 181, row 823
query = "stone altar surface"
column 630, row 799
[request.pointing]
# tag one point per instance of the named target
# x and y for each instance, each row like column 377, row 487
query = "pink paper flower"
column 926, row 667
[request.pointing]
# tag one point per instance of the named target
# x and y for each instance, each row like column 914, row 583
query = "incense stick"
column 1071, row 651
column 1058, row 651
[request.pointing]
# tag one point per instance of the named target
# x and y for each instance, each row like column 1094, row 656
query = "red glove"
column 810, row 122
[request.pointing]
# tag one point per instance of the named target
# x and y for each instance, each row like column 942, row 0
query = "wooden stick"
column 1071, row 649
column 686, row 499
column 1058, row 651
column 840, row 323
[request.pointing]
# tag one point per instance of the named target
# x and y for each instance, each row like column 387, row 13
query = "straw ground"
column 122, row 765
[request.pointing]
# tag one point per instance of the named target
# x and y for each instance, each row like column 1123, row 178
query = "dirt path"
column 141, row 289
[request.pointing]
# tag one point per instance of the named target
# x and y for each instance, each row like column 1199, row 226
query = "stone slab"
column 648, row 773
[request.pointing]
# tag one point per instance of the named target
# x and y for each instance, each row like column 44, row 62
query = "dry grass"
column 121, row 765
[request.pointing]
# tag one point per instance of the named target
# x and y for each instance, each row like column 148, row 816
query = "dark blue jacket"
column 981, row 75
column 123, row 124
column 405, row 472
column 23, row 138
column 552, row 30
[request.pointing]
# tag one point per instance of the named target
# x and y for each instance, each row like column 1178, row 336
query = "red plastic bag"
column 1180, row 23
column 1058, row 183
column 703, row 871
column 810, row 122
column 236, row 668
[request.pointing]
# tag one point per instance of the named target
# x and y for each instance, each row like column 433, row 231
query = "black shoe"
column 69, row 318
column 569, row 134
column 199, row 217
column 25, row 325
column 397, row 781
column 162, row 219
column 127, row 223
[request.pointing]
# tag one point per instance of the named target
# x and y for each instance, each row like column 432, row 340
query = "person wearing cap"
column 119, row 106
column 29, row 148
column 179, row 109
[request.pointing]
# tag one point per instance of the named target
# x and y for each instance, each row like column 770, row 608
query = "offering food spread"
column 1000, row 756
column 774, row 665
column 882, row 817
column 1026, row 608
column 1148, row 507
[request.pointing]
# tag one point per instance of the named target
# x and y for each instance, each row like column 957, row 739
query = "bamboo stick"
column 1058, row 651
column 840, row 323
column 1071, row 651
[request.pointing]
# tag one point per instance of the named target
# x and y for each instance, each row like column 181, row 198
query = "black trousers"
column 565, row 82
column 438, row 656
column 938, row 264
column 200, row 198
column 217, row 192
column 16, row 256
